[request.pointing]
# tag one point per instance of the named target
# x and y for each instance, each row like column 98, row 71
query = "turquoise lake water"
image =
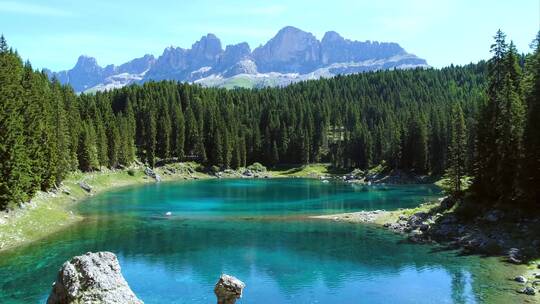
column 257, row 231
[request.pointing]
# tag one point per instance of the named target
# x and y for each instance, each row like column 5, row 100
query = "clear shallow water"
column 255, row 197
column 239, row 227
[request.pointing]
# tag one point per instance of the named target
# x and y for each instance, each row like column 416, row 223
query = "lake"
column 257, row 230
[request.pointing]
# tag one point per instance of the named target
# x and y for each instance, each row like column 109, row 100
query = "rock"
column 86, row 187
column 448, row 219
column 447, row 203
column 149, row 172
column 493, row 216
column 529, row 291
column 228, row 289
column 520, row 279
column 424, row 227
column 416, row 236
column 416, row 220
column 152, row 174
column 92, row 278
column 168, row 213
column 514, row 256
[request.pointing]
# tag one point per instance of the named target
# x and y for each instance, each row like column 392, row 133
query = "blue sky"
column 53, row 33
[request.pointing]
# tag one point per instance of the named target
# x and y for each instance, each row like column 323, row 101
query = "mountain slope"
column 292, row 55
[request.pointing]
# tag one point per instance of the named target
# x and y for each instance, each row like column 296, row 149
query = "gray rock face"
column 92, row 278
column 137, row 66
column 242, row 67
column 228, row 289
column 292, row 55
column 290, row 51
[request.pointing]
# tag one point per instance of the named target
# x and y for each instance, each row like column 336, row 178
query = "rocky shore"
column 513, row 236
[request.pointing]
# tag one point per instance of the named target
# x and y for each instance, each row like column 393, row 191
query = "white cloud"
column 32, row 9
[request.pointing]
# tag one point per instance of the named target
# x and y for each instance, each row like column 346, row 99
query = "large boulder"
column 92, row 278
column 228, row 289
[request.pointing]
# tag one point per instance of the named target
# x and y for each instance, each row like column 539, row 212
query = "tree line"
column 507, row 166
column 407, row 119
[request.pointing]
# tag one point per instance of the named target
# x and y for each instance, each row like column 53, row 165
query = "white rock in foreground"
column 92, row 278
column 228, row 289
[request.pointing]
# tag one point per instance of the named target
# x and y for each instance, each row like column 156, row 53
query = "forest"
column 480, row 120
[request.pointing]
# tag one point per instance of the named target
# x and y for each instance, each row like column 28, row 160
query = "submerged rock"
column 228, row 289
column 92, row 278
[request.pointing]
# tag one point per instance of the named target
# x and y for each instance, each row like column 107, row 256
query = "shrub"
column 257, row 167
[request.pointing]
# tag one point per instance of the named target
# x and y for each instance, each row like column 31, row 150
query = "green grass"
column 466, row 182
column 238, row 82
column 311, row 170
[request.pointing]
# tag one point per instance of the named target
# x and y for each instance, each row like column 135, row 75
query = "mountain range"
column 292, row 55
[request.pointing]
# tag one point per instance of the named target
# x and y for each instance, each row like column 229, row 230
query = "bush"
column 214, row 169
column 131, row 172
column 257, row 167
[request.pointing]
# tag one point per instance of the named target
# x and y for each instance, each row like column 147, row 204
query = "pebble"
column 520, row 279
column 168, row 213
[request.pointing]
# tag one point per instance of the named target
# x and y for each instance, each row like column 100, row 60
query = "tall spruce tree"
column 14, row 161
column 457, row 152
column 531, row 176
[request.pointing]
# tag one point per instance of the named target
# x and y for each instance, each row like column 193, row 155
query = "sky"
column 53, row 33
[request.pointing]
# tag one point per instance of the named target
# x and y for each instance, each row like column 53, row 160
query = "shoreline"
column 53, row 211
column 422, row 225
column 49, row 212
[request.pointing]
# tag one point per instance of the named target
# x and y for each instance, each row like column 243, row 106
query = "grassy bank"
column 307, row 171
column 51, row 211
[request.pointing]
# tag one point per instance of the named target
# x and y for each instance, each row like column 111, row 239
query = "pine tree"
column 457, row 152
column 487, row 157
column 87, row 149
column 511, row 123
column 164, row 128
column 14, row 161
column 178, row 132
column 532, row 132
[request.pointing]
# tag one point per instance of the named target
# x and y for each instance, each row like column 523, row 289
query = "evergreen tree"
column 14, row 161
column 87, row 149
column 532, row 133
column 457, row 152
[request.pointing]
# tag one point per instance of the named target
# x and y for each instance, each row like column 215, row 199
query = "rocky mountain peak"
column 291, row 55
column 291, row 50
column 207, row 48
column 331, row 36
column 86, row 63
